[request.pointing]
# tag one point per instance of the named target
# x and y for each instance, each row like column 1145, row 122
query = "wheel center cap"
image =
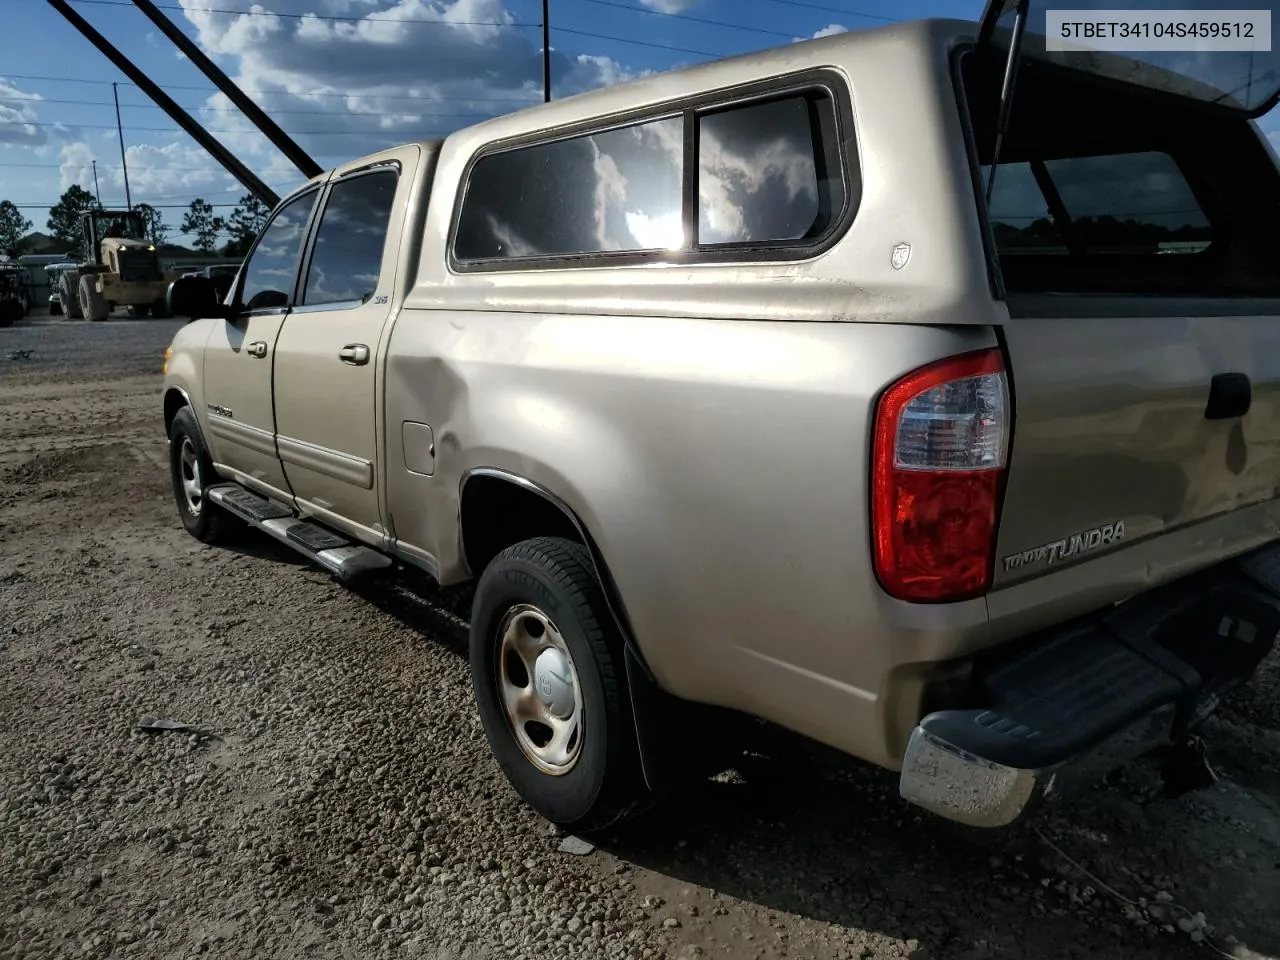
column 553, row 679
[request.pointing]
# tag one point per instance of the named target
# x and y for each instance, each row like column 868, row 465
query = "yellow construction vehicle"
column 124, row 270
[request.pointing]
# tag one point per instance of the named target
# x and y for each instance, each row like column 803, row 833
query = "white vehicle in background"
column 54, row 272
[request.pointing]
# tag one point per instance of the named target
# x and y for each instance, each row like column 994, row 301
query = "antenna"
column 546, row 51
column 96, row 195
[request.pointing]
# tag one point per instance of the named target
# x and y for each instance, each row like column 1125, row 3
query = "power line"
column 474, row 23
column 47, row 166
column 840, row 10
column 313, row 16
column 445, row 23
column 157, row 206
column 638, row 43
column 276, row 93
column 681, row 16
column 297, row 133
column 152, row 106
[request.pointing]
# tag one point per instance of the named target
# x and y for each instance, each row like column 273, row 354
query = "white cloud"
column 830, row 30
column 668, row 6
column 404, row 70
column 170, row 169
column 77, row 165
column 156, row 171
column 18, row 117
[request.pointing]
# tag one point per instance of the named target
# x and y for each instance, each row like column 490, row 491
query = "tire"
column 547, row 591
column 92, row 304
column 140, row 310
column 10, row 312
column 69, row 293
column 160, row 309
column 189, row 464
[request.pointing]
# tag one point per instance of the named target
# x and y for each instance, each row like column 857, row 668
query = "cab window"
column 272, row 268
column 347, row 258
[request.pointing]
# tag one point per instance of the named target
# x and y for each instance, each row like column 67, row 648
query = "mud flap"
column 680, row 742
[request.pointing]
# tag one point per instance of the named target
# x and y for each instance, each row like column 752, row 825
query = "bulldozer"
column 124, row 270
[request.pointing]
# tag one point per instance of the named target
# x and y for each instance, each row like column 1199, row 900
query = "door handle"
column 355, row 354
column 257, row 349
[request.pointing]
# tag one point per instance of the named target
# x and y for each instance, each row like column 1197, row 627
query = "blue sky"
column 343, row 76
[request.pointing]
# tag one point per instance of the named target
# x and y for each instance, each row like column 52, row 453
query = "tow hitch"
column 1186, row 768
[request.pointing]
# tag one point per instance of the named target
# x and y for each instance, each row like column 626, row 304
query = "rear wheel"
column 546, row 662
column 191, row 470
column 69, row 294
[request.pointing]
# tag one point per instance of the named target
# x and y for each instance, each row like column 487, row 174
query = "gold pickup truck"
column 848, row 386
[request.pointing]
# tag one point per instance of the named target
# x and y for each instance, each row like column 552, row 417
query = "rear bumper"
column 1069, row 706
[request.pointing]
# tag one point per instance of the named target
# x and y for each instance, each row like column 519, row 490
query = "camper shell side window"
column 766, row 171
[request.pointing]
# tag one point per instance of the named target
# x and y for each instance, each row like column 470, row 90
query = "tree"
column 244, row 225
column 65, row 223
column 13, row 228
column 199, row 222
column 153, row 223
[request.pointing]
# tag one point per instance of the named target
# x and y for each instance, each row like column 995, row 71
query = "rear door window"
column 347, row 259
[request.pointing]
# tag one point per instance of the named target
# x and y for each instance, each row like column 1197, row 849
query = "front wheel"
column 92, row 303
column 191, row 470
column 546, row 662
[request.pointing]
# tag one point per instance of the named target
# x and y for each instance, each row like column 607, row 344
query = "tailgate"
column 1111, row 441
column 1138, row 244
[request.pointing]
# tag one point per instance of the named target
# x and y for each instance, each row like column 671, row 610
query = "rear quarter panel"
column 721, row 467
column 709, row 424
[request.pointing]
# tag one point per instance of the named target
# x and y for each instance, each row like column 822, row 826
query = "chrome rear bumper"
column 960, row 786
column 1074, row 705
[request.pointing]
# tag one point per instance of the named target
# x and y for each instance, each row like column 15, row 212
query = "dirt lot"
column 341, row 800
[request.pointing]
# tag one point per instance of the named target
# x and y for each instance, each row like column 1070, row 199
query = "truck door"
column 327, row 368
column 239, row 354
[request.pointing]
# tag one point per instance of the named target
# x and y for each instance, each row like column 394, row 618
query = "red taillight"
column 938, row 461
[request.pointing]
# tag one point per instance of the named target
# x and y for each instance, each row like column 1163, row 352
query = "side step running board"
column 333, row 552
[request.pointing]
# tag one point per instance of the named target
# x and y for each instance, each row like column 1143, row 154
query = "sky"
column 343, row 77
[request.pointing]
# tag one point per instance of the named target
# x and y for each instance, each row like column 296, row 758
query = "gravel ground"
column 338, row 799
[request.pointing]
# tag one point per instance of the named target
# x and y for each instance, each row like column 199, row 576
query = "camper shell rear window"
column 1117, row 193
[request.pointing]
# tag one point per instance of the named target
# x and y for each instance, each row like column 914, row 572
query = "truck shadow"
column 795, row 832
column 841, row 848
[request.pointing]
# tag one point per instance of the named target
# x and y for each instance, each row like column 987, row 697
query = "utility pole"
column 124, row 164
column 546, row 52
column 96, row 195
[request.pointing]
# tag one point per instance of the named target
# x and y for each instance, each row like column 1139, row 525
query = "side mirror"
column 195, row 297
